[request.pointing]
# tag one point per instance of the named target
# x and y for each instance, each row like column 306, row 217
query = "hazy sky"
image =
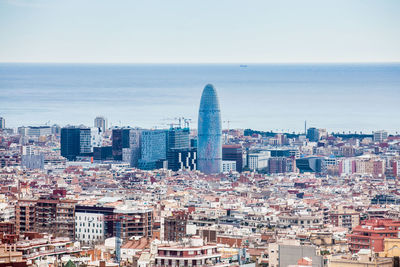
column 199, row 31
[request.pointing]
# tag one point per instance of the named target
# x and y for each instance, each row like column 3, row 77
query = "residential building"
column 371, row 234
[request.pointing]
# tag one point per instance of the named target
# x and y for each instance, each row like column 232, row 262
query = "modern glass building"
column 120, row 140
column 178, row 138
column 85, row 141
column 70, row 142
column 153, row 149
column 313, row 134
column 233, row 153
column 209, row 149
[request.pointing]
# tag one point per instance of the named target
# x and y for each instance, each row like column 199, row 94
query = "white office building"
column 258, row 161
column 89, row 227
column 380, row 136
column 228, row 166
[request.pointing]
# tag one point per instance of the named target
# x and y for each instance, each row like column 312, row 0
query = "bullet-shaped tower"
column 209, row 147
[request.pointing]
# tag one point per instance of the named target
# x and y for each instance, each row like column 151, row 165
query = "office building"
column 233, row 153
column 55, row 129
column 100, row 122
column 258, row 161
column 380, row 136
column 178, row 138
column 93, row 223
column 85, row 142
column 209, row 150
column 182, row 159
column 2, row 123
column 132, row 154
column 33, row 161
column 70, row 142
column 102, row 153
column 311, row 164
column 153, row 149
column 35, row 131
column 96, row 137
column 75, row 141
column 313, row 134
column 285, row 153
column 228, row 166
column 120, row 140
column 277, row 165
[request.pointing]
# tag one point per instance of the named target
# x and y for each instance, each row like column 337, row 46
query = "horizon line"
column 208, row 63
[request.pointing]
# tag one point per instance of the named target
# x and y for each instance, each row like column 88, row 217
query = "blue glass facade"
column 153, row 149
column 209, row 148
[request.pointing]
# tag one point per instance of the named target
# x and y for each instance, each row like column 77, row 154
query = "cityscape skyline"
column 224, row 133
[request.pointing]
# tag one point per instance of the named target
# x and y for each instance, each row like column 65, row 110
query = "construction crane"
column 181, row 122
column 187, row 122
column 227, row 133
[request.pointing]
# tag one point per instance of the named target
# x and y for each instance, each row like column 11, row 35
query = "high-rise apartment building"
column 133, row 222
column 48, row 214
column 56, row 216
column 175, row 226
column 25, row 215
column 209, row 149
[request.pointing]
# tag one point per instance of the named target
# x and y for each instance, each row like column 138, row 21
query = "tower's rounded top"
column 209, row 98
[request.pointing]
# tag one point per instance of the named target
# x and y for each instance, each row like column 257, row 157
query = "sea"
column 277, row 97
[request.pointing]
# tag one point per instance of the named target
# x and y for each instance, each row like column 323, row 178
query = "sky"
column 202, row 31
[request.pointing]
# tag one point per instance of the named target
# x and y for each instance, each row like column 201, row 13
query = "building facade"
column 153, row 149
column 100, row 122
column 2, row 123
column 209, row 150
column 235, row 153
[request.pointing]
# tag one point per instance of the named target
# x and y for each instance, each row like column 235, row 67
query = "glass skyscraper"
column 153, row 149
column 75, row 141
column 209, row 149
